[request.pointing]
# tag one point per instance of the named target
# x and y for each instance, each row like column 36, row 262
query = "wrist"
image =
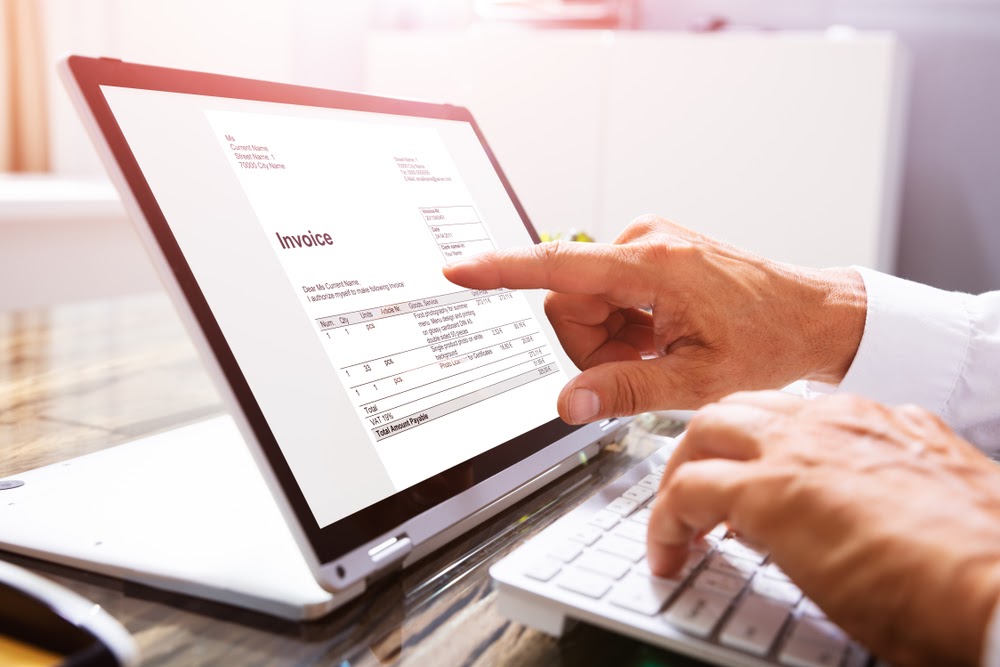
column 834, row 322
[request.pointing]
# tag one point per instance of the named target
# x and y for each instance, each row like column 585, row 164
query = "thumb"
column 620, row 388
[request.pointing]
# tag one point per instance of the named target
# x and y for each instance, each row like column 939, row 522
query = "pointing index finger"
column 576, row 268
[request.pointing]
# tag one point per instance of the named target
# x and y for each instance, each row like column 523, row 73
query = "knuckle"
column 847, row 402
column 551, row 254
column 553, row 249
column 915, row 411
column 671, row 251
column 736, row 397
column 625, row 396
column 621, row 264
column 764, row 499
column 631, row 392
column 921, row 416
column 682, row 250
column 706, row 417
column 679, row 483
column 551, row 304
column 644, row 226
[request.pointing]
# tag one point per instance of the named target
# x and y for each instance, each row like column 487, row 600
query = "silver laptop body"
column 300, row 234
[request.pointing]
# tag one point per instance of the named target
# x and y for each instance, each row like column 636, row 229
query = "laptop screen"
column 315, row 235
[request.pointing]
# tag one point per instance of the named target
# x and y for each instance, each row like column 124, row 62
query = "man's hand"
column 721, row 319
column 883, row 516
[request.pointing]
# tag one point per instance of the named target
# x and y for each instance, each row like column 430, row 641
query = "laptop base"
column 185, row 510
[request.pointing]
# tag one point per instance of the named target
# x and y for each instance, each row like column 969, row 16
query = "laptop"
column 375, row 409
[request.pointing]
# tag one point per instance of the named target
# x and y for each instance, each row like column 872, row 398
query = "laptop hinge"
column 609, row 423
column 391, row 551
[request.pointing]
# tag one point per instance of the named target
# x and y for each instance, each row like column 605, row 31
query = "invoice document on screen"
column 437, row 373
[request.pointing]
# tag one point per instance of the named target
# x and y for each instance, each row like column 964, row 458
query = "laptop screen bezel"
column 360, row 528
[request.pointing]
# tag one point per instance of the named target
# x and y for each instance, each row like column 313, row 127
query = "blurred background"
column 816, row 131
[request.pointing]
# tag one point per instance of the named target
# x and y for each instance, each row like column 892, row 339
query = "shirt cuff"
column 991, row 645
column 914, row 346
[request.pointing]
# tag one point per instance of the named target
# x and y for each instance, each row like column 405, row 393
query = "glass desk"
column 78, row 378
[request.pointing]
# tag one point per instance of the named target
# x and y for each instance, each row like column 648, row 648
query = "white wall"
column 314, row 42
column 950, row 218
column 786, row 144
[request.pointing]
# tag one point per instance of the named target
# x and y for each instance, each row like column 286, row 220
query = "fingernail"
column 583, row 405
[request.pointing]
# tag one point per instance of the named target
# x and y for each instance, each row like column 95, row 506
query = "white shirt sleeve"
column 939, row 350
column 929, row 347
column 991, row 650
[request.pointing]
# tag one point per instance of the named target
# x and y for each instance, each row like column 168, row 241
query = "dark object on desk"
column 42, row 623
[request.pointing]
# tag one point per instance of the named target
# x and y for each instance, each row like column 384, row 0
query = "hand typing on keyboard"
column 883, row 516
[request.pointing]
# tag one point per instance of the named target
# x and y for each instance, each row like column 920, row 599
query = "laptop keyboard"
column 727, row 594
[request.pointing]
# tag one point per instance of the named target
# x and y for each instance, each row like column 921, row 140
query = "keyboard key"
column 618, row 546
column 814, row 643
column 642, row 516
column 732, row 565
column 631, row 530
column 799, row 653
column 697, row 611
column 755, row 624
column 736, row 548
column 651, row 482
column 660, row 469
column 772, row 571
column 543, row 570
column 809, row 608
column 642, row 594
column 701, row 547
column 856, row 656
column 717, row 582
column 566, row 551
column 784, row 591
column 694, row 559
column 639, row 494
column 642, row 568
column 605, row 519
column 819, row 629
column 719, row 532
column 716, row 535
column 591, row 585
column 622, row 506
column 606, row 564
column 586, row 535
